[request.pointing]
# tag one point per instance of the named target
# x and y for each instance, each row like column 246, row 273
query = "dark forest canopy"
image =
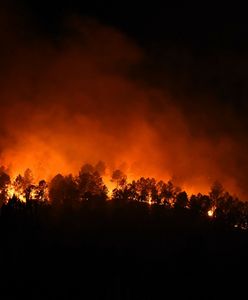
column 144, row 240
column 88, row 188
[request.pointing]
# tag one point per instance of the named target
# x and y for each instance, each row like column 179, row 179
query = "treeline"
column 71, row 238
column 88, row 188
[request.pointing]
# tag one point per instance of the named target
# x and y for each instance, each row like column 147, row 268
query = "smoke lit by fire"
column 85, row 99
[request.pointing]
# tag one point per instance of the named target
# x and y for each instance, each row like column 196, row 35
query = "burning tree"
column 119, row 178
column 90, row 185
column 4, row 183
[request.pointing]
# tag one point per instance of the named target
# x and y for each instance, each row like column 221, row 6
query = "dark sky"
column 196, row 36
column 186, row 39
column 201, row 26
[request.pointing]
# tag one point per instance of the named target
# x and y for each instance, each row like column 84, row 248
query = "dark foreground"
column 130, row 251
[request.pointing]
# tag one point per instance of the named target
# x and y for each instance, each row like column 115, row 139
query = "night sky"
column 201, row 46
column 200, row 27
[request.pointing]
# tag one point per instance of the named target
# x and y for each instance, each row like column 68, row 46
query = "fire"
column 80, row 102
column 149, row 200
column 32, row 194
column 12, row 191
column 211, row 212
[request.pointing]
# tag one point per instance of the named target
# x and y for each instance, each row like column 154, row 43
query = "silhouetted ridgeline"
column 88, row 188
column 149, row 242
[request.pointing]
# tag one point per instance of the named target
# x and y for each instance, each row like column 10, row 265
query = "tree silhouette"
column 181, row 200
column 30, row 192
column 41, row 191
column 4, row 182
column 168, row 193
column 200, row 204
column 63, row 190
column 231, row 211
column 146, row 189
column 119, row 178
column 216, row 193
column 90, row 185
column 57, row 190
column 71, row 191
column 19, row 184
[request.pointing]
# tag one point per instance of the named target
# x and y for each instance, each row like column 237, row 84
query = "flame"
column 149, row 200
column 211, row 212
column 12, row 191
column 32, row 194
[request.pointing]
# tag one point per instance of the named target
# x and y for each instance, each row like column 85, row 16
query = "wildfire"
column 112, row 184
column 211, row 212
column 12, row 191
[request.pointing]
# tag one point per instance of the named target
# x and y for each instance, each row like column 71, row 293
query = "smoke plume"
column 90, row 96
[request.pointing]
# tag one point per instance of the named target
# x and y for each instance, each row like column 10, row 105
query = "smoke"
column 89, row 96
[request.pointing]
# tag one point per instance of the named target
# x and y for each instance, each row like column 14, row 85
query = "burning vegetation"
column 170, row 123
column 89, row 187
column 91, row 94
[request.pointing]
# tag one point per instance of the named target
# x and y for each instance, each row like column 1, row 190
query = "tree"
column 121, row 195
column 71, row 191
column 181, row 200
column 4, row 182
column 216, row 193
column 19, row 186
column 19, row 183
column 87, row 168
column 91, row 186
column 146, row 189
column 200, row 204
column 41, row 191
column 230, row 210
column 57, row 190
column 119, row 178
column 30, row 192
column 63, row 190
column 161, row 187
column 168, row 193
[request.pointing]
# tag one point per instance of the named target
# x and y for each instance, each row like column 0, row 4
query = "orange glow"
column 211, row 212
column 12, row 191
column 149, row 200
column 79, row 103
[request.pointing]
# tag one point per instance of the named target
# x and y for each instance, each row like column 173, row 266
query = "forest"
column 88, row 189
column 146, row 239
